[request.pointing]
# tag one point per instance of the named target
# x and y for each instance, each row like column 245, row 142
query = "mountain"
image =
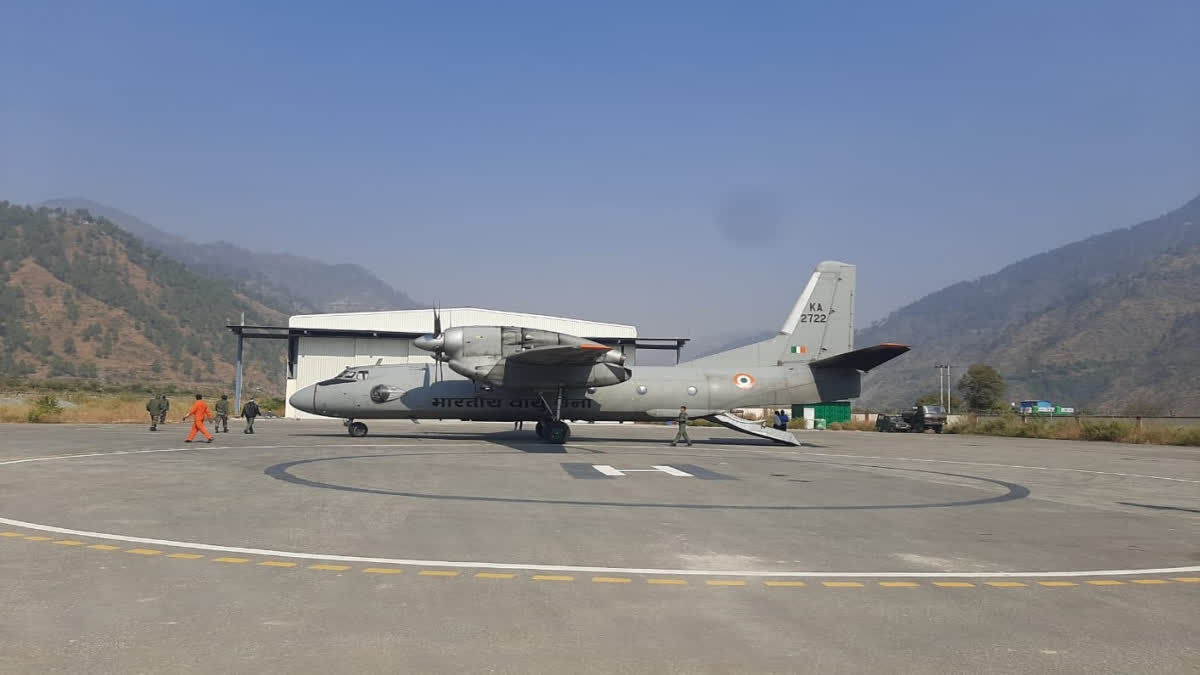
column 1108, row 323
column 80, row 297
column 302, row 285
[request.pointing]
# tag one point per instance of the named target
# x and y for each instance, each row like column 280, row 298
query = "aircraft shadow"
column 526, row 441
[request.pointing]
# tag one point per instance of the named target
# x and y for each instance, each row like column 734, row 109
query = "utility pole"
column 237, row 387
column 948, row 367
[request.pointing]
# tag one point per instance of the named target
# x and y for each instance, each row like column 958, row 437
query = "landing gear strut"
column 553, row 430
column 356, row 429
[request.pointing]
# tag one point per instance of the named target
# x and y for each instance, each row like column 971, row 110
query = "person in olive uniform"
column 164, row 404
column 249, row 412
column 154, row 407
column 681, row 423
column 222, row 410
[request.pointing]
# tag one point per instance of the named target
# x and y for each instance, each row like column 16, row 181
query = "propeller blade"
column 437, row 322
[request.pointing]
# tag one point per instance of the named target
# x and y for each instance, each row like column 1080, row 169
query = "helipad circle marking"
column 461, row 564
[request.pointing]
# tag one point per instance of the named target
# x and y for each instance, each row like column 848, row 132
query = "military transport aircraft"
column 509, row 373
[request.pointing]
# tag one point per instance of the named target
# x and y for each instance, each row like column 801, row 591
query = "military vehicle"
column 891, row 423
column 511, row 373
column 922, row 417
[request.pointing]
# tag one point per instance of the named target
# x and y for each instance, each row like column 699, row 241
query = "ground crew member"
column 154, row 407
column 681, row 423
column 249, row 412
column 222, row 410
column 199, row 413
column 163, row 407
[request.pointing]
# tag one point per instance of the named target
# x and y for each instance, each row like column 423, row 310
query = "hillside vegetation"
column 81, row 298
column 1110, row 323
column 292, row 283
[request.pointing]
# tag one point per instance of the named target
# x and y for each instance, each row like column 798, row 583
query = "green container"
column 833, row 411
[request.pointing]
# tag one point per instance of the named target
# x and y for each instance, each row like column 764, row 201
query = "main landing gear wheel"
column 556, row 432
column 357, row 429
column 540, row 430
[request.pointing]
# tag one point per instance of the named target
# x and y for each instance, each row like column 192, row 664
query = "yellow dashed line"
column 613, row 580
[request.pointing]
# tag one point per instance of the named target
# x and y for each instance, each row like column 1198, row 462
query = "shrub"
column 1106, row 431
column 1186, row 436
column 44, row 409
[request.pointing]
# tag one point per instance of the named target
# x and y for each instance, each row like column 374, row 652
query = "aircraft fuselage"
column 411, row 391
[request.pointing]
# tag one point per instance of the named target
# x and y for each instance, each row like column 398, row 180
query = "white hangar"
column 321, row 345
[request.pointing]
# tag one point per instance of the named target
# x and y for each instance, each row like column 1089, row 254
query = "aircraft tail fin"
column 820, row 325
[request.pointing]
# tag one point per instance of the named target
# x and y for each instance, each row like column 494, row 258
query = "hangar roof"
column 420, row 321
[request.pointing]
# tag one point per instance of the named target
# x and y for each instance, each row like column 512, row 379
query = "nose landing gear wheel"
column 556, row 432
column 357, row 429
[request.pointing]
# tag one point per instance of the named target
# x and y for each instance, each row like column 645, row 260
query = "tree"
column 983, row 387
column 956, row 403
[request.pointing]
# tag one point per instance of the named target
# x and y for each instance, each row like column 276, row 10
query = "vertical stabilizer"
column 820, row 325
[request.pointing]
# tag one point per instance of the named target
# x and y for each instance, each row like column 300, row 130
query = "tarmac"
column 456, row 547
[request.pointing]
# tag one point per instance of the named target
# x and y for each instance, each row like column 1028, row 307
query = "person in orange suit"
column 199, row 413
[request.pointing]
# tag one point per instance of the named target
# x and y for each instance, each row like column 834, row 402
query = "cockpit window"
column 347, row 375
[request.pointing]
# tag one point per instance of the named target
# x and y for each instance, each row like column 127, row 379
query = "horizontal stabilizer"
column 862, row 359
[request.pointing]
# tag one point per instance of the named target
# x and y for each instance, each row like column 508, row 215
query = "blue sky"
column 595, row 159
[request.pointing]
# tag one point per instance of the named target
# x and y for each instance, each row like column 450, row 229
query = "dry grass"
column 1101, row 430
column 86, row 409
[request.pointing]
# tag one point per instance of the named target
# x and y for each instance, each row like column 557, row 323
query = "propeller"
column 434, row 342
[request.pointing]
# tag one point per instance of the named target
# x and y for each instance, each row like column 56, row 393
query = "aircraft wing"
column 862, row 359
column 562, row 355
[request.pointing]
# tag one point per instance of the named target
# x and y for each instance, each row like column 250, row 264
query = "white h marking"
column 669, row 470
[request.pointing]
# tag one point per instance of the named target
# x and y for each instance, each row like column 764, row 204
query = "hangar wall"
column 319, row 358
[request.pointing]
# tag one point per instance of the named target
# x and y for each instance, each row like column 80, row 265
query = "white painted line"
column 672, row 471
column 51, row 458
column 585, row 568
column 607, row 470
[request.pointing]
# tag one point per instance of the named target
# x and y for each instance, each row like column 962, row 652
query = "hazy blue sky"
column 680, row 165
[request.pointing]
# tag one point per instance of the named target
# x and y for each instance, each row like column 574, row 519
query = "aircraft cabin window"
column 692, row 391
column 641, row 389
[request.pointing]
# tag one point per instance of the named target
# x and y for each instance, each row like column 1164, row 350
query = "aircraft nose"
column 305, row 400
